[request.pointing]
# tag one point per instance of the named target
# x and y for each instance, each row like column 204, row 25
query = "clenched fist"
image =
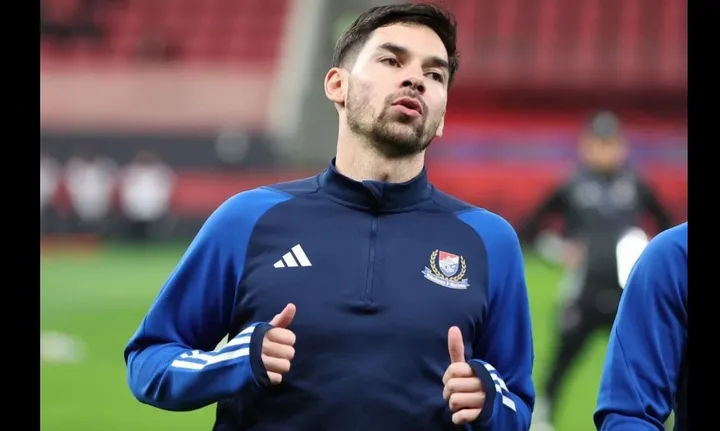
column 463, row 389
column 277, row 346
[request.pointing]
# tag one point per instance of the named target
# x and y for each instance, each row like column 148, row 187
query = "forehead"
column 419, row 40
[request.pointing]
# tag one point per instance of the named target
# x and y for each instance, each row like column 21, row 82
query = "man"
column 645, row 373
column 602, row 203
column 91, row 180
column 50, row 174
column 398, row 307
column 146, row 189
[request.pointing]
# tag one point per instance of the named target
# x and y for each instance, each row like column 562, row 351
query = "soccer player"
column 645, row 373
column 361, row 298
column 600, row 204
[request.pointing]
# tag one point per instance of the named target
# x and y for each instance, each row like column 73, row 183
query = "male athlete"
column 600, row 204
column 361, row 298
column 645, row 374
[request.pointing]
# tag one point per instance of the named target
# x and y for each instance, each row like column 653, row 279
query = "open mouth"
column 410, row 104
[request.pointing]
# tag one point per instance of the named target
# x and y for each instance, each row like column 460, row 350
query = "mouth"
column 410, row 104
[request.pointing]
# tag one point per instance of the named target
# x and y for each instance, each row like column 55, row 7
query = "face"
column 396, row 92
column 605, row 155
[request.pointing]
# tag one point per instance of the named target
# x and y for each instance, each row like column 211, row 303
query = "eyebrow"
column 402, row 51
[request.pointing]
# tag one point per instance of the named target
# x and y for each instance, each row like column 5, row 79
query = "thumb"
column 456, row 347
column 285, row 317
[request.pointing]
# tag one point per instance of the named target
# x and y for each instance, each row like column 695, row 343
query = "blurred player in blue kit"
column 645, row 374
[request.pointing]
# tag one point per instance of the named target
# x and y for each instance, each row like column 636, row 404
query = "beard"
column 394, row 134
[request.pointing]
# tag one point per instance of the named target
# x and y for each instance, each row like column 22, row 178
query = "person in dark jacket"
column 601, row 206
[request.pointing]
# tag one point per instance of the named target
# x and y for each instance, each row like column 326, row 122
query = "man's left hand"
column 463, row 389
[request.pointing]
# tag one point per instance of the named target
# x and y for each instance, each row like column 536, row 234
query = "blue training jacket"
column 379, row 272
column 645, row 373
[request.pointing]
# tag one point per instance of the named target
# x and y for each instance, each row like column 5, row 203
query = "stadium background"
column 228, row 94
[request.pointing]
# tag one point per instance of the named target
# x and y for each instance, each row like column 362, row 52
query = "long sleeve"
column 554, row 203
column 652, row 205
column 170, row 359
column 503, row 355
column 647, row 342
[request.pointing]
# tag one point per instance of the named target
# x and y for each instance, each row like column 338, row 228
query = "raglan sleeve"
column 503, row 353
column 651, row 203
column 554, row 203
column 646, row 345
column 171, row 360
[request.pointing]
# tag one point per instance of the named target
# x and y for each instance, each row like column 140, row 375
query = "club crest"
column 447, row 270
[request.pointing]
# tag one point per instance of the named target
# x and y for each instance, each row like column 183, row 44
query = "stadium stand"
column 638, row 44
column 236, row 31
column 530, row 72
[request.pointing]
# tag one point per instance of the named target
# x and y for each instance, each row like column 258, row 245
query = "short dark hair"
column 435, row 17
column 604, row 125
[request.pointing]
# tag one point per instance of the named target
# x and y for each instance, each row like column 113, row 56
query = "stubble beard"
column 392, row 135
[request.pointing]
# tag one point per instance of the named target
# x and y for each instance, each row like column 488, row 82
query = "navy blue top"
column 379, row 272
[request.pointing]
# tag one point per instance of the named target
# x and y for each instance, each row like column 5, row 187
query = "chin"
column 398, row 146
column 407, row 135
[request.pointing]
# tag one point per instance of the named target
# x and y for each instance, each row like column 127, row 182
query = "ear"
column 623, row 143
column 440, row 128
column 334, row 89
column 584, row 142
column 624, row 148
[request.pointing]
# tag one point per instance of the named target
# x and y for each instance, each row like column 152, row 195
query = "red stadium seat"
column 236, row 31
column 627, row 44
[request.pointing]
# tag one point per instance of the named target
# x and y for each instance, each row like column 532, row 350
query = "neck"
column 358, row 159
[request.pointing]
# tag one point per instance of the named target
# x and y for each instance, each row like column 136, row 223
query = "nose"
column 415, row 83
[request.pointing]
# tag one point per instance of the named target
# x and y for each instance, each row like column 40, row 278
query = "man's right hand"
column 277, row 347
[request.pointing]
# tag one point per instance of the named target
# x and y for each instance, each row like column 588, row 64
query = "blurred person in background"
column 600, row 205
column 50, row 174
column 154, row 44
column 70, row 21
column 146, row 188
column 90, row 180
column 645, row 376
column 409, row 307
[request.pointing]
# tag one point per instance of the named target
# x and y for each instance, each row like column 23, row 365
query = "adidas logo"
column 295, row 257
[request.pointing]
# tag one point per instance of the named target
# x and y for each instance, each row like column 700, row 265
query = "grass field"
column 99, row 298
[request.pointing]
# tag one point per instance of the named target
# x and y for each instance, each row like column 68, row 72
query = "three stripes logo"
column 500, row 387
column 294, row 258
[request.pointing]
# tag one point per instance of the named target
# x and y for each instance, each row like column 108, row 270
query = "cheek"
column 380, row 101
column 367, row 94
column 437, row 106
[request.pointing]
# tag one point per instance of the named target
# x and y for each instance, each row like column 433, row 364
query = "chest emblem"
column 447, row 270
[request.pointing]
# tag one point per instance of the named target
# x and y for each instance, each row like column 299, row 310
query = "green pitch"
column 92, row 303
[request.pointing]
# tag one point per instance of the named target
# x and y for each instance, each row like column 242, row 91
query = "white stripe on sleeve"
column 238, row 347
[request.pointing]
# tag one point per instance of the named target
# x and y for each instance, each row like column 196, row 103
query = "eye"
column 390, row 62
column 436, row 76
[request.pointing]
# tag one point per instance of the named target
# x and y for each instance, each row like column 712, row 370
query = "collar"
column 607, row 176
column 375, row 195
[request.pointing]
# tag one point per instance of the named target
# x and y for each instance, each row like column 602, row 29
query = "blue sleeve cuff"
column 490, row 392
column 256, row 363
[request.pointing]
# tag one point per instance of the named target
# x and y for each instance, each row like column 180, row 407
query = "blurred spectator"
column 146, row 188
column 154, row 47
column 68, row 21
column 154, row 44
column 90, row 182
column 49, row 181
